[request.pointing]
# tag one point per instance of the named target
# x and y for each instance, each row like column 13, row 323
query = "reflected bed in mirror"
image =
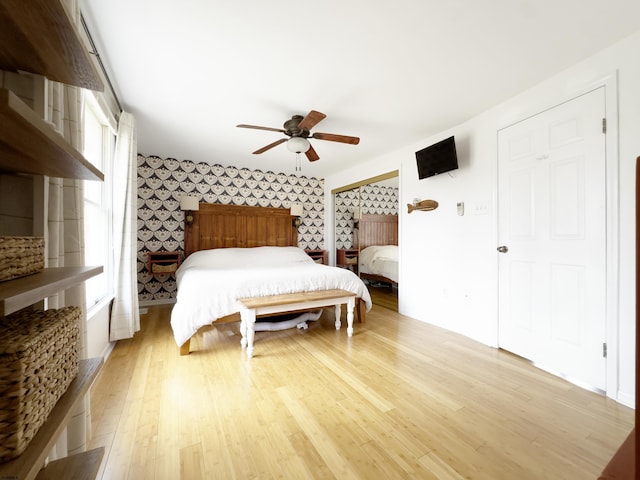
column 378, row 258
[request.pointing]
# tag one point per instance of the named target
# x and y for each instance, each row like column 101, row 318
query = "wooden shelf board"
column 27, row 465
column 82, row 466
column 28, row 144
column 25, row 291
column 38, row 37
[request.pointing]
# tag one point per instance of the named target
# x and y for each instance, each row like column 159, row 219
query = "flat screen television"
column 437, row 158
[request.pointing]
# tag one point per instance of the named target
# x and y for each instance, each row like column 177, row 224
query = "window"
column 99, row 144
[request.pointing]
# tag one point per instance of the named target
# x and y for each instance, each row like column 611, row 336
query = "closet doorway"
column 366, row 234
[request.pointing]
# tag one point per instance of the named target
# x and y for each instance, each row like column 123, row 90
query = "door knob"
column 503, row 249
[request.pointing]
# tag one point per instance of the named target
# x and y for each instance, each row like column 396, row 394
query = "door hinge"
column 604, row 125
column 604, row 350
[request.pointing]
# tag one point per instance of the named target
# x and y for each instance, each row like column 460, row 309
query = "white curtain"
column 125, row 315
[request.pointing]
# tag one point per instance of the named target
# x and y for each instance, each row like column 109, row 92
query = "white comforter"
column 211, row 281
column 380, row 260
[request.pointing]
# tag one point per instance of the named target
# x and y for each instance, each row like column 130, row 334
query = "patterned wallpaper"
column 372, row 199
column 161, row 183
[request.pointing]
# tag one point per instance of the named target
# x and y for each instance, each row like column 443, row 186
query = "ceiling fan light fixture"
column 298, row 145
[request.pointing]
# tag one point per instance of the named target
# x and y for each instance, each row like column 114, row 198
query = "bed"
column 378, row 257
column 379, row 263
column 234, row 252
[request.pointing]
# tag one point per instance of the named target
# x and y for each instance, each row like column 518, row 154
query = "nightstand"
column 163, row 262
column 347, row 258
column 319, row 256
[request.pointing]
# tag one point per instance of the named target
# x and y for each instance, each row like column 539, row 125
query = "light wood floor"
column 384, row 295
column 401, row 399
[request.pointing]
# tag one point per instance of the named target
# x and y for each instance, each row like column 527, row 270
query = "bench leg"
column 243, row 329
column 350, row 306
column 247, row 328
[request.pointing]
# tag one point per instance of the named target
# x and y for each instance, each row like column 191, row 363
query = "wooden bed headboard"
column 222, row 226
column 377, row 230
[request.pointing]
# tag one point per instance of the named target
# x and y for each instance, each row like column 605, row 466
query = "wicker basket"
column 158, row 268
column 20, row 256
column 38, row 361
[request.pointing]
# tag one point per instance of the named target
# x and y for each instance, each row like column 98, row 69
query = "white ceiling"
column 392, row 73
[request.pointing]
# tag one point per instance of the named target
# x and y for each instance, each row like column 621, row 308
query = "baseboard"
column 626, row 399
column 150, row 303
column 107, row 350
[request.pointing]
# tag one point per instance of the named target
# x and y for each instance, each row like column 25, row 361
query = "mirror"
column 366, row 215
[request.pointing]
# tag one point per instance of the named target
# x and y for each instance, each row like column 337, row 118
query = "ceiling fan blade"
column 336, row 138
column 311, row 120
column 256, row 127
column 311, row 154
column 270, row 146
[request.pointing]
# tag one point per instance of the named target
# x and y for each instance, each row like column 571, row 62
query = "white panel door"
column 551, row 201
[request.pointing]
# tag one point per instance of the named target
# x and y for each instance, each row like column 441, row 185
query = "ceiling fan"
column 298, row 128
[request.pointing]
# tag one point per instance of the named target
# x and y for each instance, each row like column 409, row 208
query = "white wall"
column 448, row 270
column 98, row 344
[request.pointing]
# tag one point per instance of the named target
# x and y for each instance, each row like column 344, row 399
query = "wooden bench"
column 250, row 308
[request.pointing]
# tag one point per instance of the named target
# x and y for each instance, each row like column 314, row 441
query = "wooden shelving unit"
column 30, row 145
column 29, row 463
column 38, row 37
column 624, row 465
column 80, row 466
column 15, row 295
column 24, row 291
